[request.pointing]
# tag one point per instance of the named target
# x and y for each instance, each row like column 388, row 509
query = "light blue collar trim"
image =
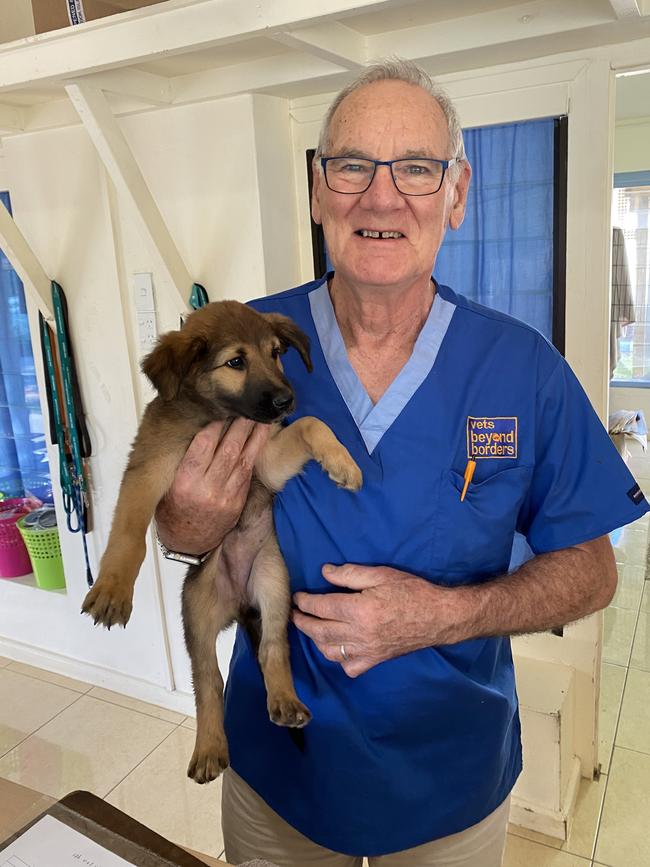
column 374, row 420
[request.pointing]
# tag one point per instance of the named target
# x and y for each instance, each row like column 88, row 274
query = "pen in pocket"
column 469, row 473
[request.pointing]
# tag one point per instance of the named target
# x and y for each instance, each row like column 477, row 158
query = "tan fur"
column 195, row 386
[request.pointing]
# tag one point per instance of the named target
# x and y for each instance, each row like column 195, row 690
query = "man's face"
column 388, row 120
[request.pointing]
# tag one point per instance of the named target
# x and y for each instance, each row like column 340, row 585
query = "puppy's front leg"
column 144, row 484
column 269, row 589
column 289, row 450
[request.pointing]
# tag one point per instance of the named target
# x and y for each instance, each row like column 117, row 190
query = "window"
column 631, row 280
column 509, row 252
column 24, row 467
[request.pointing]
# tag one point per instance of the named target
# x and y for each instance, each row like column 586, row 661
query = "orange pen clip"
column 469, row 473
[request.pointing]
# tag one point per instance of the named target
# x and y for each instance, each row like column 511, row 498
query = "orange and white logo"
column 492, row 437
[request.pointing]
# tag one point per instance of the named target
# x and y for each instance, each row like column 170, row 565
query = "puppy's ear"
column 171, row 361
column 290, row 335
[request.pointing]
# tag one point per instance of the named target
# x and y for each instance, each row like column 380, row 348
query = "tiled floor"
column 57, row 734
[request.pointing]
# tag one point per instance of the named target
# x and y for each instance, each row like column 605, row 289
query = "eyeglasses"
column 412, row 177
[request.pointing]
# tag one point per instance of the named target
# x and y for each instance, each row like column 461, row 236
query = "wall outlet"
column 147, row 330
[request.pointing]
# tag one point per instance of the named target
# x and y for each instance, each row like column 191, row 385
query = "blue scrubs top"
column 427, row 744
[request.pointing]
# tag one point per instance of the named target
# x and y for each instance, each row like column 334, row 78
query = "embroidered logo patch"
column 635, row 494
column 491, row 437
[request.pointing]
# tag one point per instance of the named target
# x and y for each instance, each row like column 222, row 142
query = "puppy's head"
column 229, row 355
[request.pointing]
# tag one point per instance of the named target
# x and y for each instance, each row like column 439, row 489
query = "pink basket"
column 14, row 559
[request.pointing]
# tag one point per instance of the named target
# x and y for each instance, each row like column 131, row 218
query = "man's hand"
column 210, row 486
column 393, row 612
column 389, row 614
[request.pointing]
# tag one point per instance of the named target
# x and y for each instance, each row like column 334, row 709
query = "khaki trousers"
column 251, row 829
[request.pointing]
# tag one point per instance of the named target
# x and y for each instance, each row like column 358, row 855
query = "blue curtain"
column 23, row 456
column 502, row 256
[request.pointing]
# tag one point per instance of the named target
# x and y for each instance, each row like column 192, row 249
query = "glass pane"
column 631, row 322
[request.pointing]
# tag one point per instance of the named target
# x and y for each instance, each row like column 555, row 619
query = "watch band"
column 180, row 557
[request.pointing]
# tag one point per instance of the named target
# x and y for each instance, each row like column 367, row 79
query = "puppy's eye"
column 276, row 352
column 236, row 363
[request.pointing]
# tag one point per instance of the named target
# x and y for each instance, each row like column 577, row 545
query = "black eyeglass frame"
column 444, row 163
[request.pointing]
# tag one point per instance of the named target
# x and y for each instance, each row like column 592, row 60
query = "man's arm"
column 393, row 612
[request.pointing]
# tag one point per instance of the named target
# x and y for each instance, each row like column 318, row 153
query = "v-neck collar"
column 373, row 420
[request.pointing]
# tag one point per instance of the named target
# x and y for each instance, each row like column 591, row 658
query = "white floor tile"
column 159, row 794
column 645, row 599
column 26, row 704
column 634, row 726
column 631, row 580
column 641, row 649
column 611, row 695
column 618, row 635
column 90, row 745
column 524, row 853
column 135, row 704
column 623, row 838
column 49, row 676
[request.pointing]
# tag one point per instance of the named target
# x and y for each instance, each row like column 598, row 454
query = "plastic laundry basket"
column 45, row 554
column 14, row 559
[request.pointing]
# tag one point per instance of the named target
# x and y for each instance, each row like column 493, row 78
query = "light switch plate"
column 143, row 293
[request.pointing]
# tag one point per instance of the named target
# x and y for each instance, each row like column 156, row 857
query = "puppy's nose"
column 282, row 400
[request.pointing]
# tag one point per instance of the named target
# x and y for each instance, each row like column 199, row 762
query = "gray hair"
column 398, row 69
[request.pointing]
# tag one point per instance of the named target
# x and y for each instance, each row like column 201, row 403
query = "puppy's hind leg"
column 269, row 592
column 204, row 616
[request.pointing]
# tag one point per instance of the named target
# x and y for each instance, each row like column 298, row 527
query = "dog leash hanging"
column 69, row 438
column 198, row 298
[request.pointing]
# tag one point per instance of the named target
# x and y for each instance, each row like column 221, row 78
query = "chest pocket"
column 474, row 537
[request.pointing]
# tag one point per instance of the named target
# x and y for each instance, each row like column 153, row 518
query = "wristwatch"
column 179, row 557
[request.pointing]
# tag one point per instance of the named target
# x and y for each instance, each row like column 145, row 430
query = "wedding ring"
column 343, row 653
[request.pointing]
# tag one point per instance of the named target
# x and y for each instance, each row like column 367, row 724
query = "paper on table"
column 50, row 843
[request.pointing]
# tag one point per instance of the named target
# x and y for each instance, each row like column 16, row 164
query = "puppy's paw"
column 288, row 711
column 345, row 472
column 206, row 764
column 335, row 459
column 109, row 602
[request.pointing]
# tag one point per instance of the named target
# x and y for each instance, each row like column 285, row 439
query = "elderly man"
column 468, row 426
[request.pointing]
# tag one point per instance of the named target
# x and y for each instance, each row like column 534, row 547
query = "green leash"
column 198, row 296
column 71, row 471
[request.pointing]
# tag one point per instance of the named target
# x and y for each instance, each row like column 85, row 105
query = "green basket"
column 45, row 553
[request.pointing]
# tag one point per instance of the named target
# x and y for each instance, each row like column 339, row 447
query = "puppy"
column 223, row 364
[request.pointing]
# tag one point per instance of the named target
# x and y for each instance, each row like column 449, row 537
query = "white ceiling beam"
column 114, row 151
column 255, row 75
column 176, row 26
column 497, row 27
column 330, row 41
column 25, row 263
column 625, row 8
column 150, row 88
column 11, row 119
